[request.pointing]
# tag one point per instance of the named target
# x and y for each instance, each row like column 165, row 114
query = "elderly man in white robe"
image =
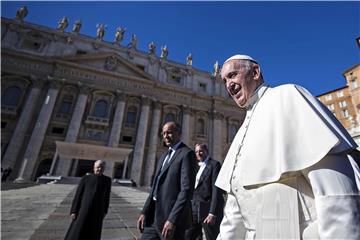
column 287, row 173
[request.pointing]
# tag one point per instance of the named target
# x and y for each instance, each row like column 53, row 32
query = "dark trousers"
column 195, row 231
column 152, row 233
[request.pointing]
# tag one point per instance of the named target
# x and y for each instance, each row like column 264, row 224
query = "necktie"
column 166, row 161
column 167, row 158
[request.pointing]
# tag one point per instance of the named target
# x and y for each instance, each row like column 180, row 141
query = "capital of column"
column 120, row 95
column 36, row 82
column 55, row 82
column 146, row 100
column 186, row 109
column 218, row 115
column 83, row 89
column 157, row 105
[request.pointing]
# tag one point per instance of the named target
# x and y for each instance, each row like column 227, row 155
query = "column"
column 109, row 168
column 138, row 157
column 153, row 144
column 38, row 133
column 63, row 164
column 117, row 121
column 17, row 138
column 186, row 125
column 115, row 130
column 217, row 136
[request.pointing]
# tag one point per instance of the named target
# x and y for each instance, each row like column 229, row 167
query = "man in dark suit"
column 208, row 200
column 90, row 205
column 167, row 210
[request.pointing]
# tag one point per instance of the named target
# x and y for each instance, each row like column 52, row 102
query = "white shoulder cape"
column 290, row 130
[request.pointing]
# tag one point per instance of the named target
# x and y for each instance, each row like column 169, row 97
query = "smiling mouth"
column 236, row 89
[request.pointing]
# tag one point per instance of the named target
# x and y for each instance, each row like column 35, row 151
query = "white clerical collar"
column 260, row 90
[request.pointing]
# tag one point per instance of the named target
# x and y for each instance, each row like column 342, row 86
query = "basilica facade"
column 69, row 99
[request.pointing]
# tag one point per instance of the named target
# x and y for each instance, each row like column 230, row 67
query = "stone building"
column 69, row 99
column 344, row 102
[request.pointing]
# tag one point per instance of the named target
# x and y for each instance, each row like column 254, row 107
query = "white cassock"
column 287, row 174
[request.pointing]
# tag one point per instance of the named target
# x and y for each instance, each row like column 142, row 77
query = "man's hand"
column 141, row 222
column 168, row 229
column 210, row 219
column 73, row 216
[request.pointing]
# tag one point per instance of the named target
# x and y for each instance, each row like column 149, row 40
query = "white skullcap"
column 241, row 57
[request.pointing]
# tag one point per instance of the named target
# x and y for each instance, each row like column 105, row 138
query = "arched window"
column 100, row 109
column 66, row 103
column 169, row 117
column 131, row 116
column 11, row 96
column 200, row 128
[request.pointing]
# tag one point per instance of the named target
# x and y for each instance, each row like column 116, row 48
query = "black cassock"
column 90, row 204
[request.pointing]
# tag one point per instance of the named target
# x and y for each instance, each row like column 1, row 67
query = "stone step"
column 42, row 212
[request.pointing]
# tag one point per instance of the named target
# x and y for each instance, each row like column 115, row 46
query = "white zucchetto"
column 241, row 57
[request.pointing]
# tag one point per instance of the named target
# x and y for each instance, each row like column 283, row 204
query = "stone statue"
column 216, row 69
column 133, row 42
column 152, row 48
column 100, row 32
column 119, row 35
column 77, row 26
column 63, row 24
column 21, row 13
column 189, row 60
column 164, row 52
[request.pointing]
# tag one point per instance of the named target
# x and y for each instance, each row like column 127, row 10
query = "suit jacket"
column 175, row 190
column 206, row 193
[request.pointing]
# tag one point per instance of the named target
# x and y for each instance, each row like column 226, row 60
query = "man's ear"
column 256, row 72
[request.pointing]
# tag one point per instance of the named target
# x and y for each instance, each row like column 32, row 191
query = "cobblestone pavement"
column 42, row 212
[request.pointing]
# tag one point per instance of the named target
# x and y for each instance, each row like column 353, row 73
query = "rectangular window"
column 345, row 113
column 340, row 94
column 342, row 104
column 58, row 130
column 354, row 83
column 331, row 107
column 328, row 97
column 127, row 139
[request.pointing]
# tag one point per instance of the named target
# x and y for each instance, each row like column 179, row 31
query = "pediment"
column 110, row 62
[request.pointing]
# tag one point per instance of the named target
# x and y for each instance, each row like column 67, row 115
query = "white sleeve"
column 337, row 197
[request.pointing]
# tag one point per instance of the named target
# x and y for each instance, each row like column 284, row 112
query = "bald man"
column 90, row 205
column 167, row 211
column 287, row 173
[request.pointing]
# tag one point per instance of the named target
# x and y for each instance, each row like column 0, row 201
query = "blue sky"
column 307, row 43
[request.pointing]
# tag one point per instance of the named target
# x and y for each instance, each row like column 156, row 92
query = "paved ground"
column 42, row 212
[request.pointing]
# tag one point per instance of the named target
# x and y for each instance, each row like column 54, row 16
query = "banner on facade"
column 91, row 152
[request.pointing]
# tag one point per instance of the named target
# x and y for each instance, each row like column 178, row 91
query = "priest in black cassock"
column 90, row 205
